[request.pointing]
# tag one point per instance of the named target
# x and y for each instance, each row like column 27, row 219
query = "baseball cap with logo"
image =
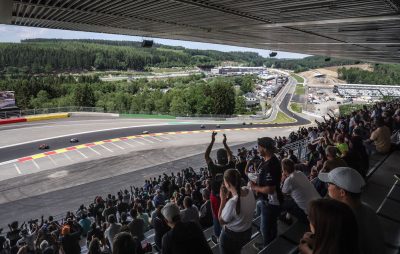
column 345, row 178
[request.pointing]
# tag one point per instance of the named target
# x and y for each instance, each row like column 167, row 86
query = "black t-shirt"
column 270, row 175
column 294, row 158
column 122, row 207
column 185, row 237
column 70, row 243
column 241, row 166
column 13, row 236
column 217, row 174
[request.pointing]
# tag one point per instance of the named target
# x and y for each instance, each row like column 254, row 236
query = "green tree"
column 240, row 105
column 84, row 96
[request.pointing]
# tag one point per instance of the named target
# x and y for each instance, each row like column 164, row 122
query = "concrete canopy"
column 367, row 30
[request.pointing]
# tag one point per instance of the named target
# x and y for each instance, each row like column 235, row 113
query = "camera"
column 33, row 221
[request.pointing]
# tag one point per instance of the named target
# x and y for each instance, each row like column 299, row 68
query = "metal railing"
column 298, row 147
column 28, row 112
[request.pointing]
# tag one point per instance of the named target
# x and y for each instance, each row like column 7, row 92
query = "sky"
column 9, row 33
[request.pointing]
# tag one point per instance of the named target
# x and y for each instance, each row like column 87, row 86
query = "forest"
column 48, row 56
column 38, row 56
column 191, row 95
column 382, row 74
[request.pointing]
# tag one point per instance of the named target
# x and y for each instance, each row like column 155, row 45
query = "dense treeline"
column 383, row 74
column 179, row 96
column 46, row 56
column 307, row 63
column 51, row 55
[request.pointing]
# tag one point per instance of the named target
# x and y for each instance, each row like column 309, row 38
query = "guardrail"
column 298, row 147
column 42, row 111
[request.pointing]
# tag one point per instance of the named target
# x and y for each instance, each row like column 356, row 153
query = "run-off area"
column 48, row 160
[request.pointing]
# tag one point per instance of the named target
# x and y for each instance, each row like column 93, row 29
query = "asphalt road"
column 23, row 150
column 68, row 199
column 88, row 186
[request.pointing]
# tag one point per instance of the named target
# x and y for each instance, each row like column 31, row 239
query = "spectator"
column 205, row 216
column 124, row 244
column 356, row 156
column 124, row 219
column 312, row 157
column 380, row 138
column 333, row 161
column 110, row 210
column 112, row 230
column 292, row 156
column 296, row 184
column 184, row 237
column 70, row 240
column 95, row 232
column 268, row 186
column 122, row 206
column 28, row 239
column 345, row 185
column 333, row 229
column 85, row 223
column 82, row 210
column 190, row 213
column 136, row 226
column 236, row 213
column 95, row 247
column 13, row 234
column 160, row 227
column 158, row 199
column 341, row 146
column 224, row 162
column 145, row 217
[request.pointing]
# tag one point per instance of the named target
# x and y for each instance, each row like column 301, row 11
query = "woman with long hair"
column 333, row 229
column 235, row 213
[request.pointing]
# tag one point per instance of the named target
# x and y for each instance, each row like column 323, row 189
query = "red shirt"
column 215, row 202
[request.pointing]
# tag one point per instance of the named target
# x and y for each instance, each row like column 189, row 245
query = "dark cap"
column 268, row 143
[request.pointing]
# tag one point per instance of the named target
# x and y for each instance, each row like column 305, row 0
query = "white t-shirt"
column 241, row 222
column 300, row 189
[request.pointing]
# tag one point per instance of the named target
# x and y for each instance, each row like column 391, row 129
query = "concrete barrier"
column 12, row 120
column 92, row 114
column 46, row 117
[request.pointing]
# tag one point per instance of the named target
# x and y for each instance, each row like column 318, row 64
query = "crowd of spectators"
column 267, row 181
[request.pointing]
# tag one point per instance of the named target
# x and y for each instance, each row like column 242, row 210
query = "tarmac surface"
column 57, row 183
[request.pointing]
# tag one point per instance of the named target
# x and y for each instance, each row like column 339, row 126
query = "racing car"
column 44, row 147
column 74, row 140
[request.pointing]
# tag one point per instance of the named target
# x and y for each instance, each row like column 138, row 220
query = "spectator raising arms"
column 235, row 213
column 224, row 162
column 333, row 229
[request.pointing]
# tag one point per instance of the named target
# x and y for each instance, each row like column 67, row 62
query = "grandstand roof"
column 365, row 30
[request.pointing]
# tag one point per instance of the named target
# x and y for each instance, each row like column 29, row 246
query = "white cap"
column 169, row 211
column 345, row 178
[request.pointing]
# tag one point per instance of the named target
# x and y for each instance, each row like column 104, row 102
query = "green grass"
column 298, row 78
column 296, row 107
column 170, row 70
column 300, row 89
column 147, row 116
column 347, row 109
column 283, row 118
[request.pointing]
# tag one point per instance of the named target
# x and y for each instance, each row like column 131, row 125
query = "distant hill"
column 55, row 55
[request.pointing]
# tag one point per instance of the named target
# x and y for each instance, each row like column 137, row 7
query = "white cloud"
column 3, row 29
column 30, row 33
